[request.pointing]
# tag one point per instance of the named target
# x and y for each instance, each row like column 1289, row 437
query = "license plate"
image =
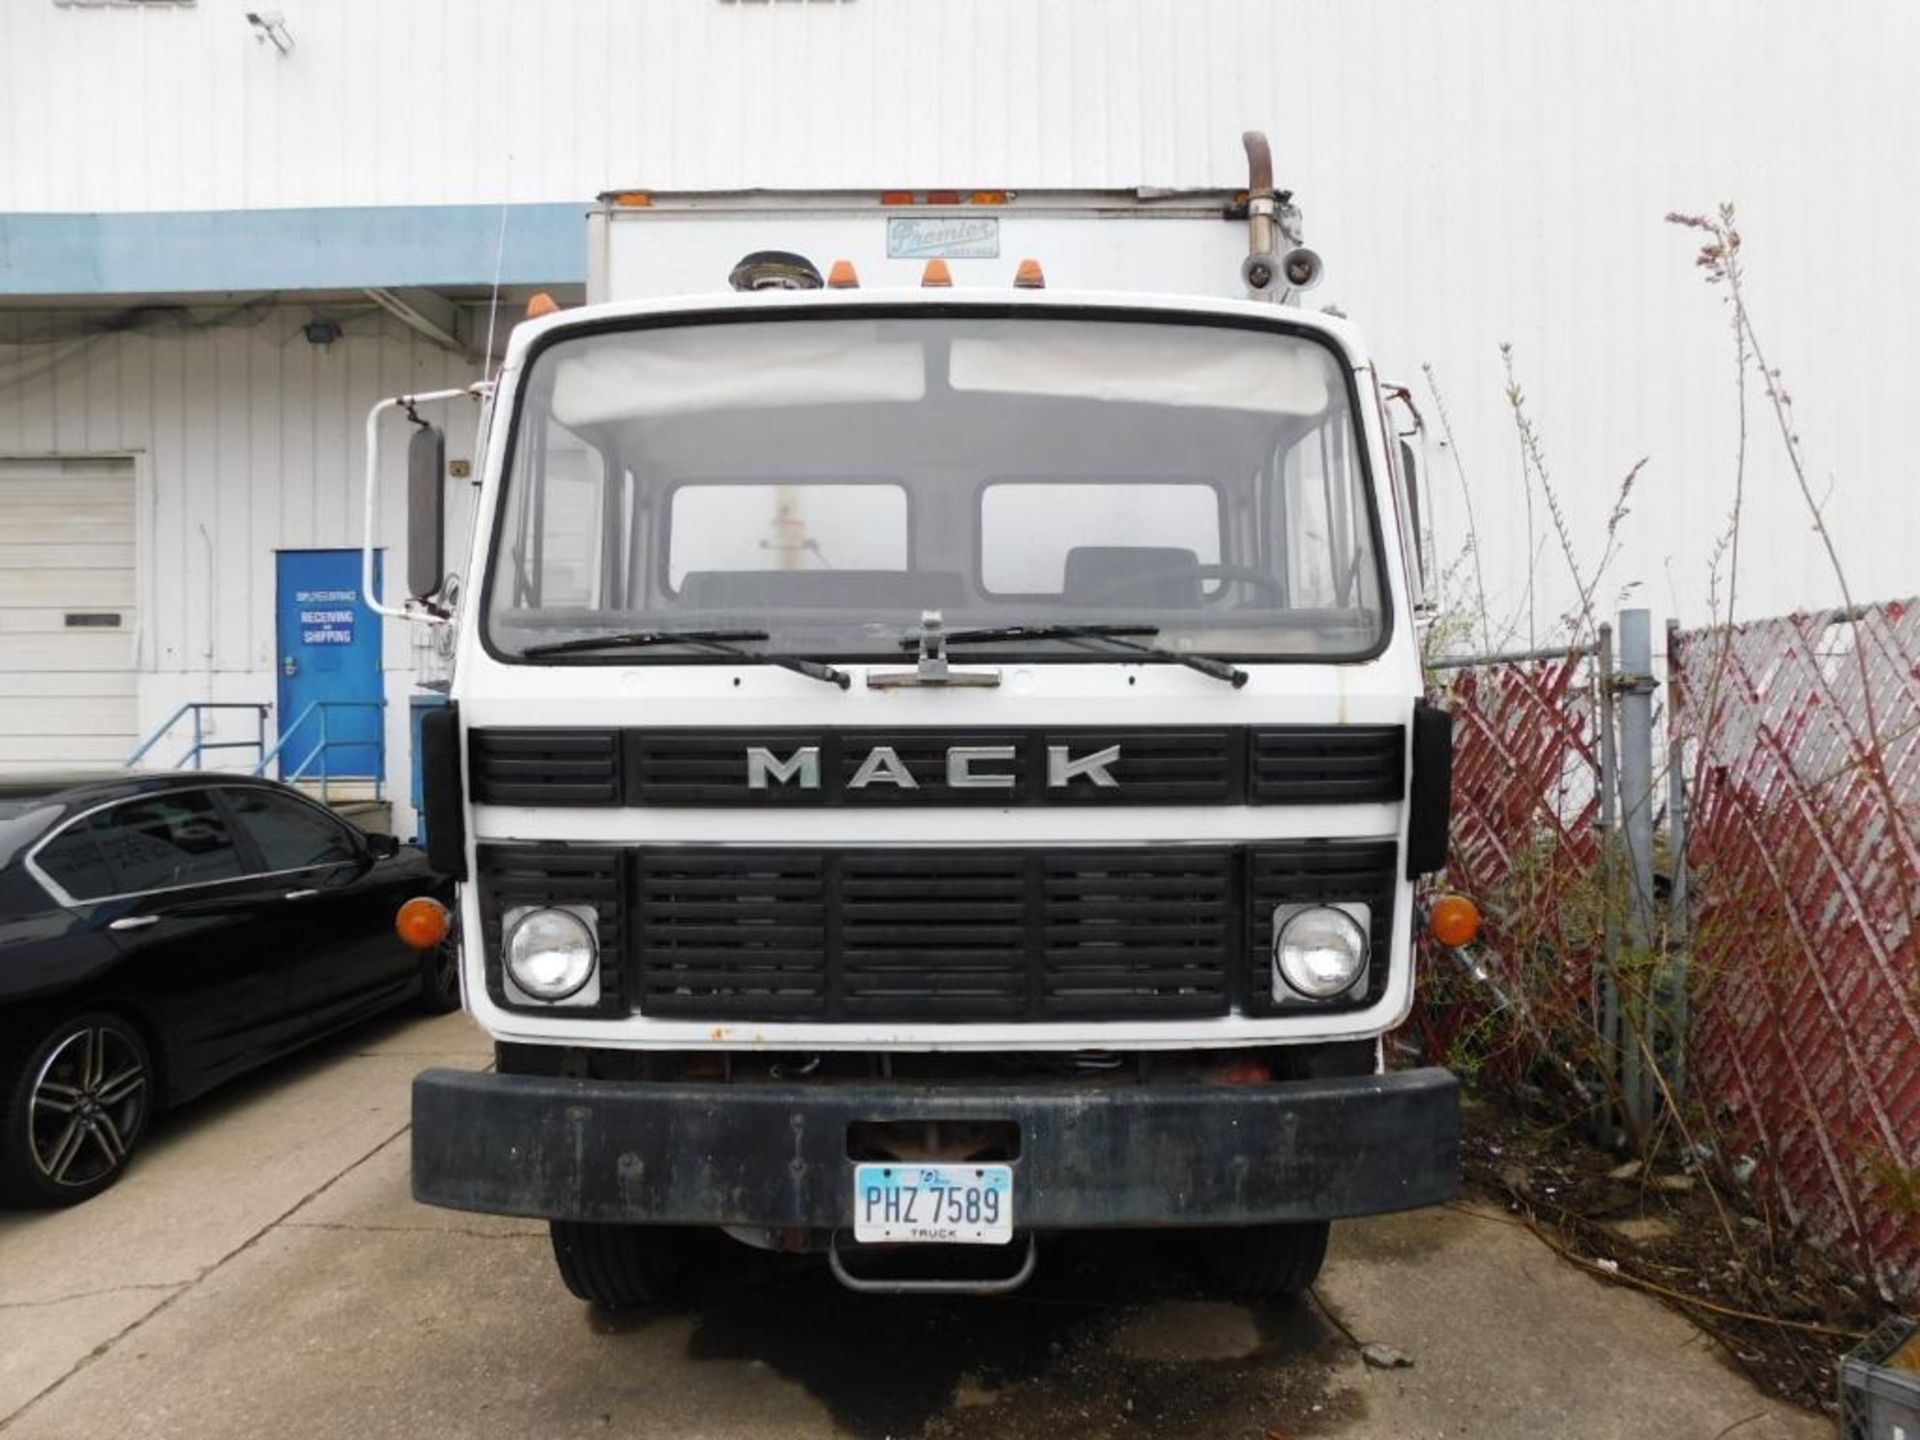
column 933, row 1204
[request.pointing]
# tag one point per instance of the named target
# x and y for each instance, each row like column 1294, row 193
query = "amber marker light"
column 423, row 922
column 542, row 304
column 1453, row 920
column 936, row 276
column 1029, row 276
column 843, row 276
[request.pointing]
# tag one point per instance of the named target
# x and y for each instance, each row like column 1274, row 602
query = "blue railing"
column 199, row 709
column 326, row 744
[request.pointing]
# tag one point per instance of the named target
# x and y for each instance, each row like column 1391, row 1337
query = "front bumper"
column 775, row 1155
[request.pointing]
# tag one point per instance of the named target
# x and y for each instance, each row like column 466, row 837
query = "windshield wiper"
column 1115, row 635
column 716, row 640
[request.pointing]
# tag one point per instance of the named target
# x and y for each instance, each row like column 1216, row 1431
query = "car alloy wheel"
column 87, row 1105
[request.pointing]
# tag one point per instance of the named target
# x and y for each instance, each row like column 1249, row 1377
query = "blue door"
column 330, row 696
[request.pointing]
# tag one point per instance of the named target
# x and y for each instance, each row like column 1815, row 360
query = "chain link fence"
column 1800, row 739
column 1734, row 946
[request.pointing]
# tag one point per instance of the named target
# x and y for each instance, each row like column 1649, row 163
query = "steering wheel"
column 1266, row 585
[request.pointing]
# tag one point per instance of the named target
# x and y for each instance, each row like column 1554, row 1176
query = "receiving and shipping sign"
column 326, row 616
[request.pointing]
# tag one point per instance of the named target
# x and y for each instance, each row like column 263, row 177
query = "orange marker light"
column 1454, row 920
column 943, row 197
column 936, row 275
column 843, row 276
column 633, row 199
column 423, row 922
column 989, row 197
column 1029, row 276
column 542, row 304
column 896, row 197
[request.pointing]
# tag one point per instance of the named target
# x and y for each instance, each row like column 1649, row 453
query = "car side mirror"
column 426, row 511
column 382, row 847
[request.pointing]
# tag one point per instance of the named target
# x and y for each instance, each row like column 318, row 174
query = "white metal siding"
column 248, row 440
column 1475, row 171
column 67, row 691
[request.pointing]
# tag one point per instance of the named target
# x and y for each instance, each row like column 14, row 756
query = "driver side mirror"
column 382, row 847
column 426, row 511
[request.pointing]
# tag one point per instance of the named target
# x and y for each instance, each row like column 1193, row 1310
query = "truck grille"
column 1223, row 765
column 954, row 935
column 951, row 935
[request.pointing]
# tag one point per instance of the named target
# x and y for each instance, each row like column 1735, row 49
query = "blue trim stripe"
column 347, row 248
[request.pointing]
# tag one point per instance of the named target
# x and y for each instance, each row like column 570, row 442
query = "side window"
column 73, row 861
column 162, row 841
column 564, row 516
column 291, row 834
column 1325, row 549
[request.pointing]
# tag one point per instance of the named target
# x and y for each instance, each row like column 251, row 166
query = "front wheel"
column 619, row 1267
column 74, row 1110
column 1262, row 1260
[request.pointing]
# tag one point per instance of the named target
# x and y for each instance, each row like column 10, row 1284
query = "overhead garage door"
column 67, row 678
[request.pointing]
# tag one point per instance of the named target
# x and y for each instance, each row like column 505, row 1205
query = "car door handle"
column 301, row 894
column 133, row 922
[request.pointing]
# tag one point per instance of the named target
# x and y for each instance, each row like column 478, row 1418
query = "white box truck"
column 936, row 753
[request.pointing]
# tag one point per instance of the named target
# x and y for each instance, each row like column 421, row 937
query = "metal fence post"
column 1679, row 977
column 1636, row 685
column 1609, row 997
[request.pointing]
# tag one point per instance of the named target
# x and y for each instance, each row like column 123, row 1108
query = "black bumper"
column 775, row 1155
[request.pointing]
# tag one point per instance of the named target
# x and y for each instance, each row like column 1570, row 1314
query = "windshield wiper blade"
column 717, row 640
column 1116, row 635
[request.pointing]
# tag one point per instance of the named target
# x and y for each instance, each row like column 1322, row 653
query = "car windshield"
column 829, row 480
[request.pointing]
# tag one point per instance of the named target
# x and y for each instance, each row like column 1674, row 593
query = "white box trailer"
column 656, row 244
column 935, row 757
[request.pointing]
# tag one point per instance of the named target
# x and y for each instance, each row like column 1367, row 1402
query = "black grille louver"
column 1308, row 872
column 514, row 875
column 545, row 767
column 952, row 935
column 726, row 933
column 1330, row 765
column 1140, row 934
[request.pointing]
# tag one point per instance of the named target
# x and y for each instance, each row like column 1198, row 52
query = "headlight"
column 550, row 953
column 1319, row 951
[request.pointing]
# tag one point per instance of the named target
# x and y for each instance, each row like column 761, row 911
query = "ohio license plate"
column 933, row 1204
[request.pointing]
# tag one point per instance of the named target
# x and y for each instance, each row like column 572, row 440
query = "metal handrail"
column 327, row 743
column 198, row 709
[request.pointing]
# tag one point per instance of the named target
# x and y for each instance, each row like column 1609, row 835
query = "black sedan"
column 162, row 933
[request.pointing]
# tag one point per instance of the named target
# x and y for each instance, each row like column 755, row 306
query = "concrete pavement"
column 262, row 1270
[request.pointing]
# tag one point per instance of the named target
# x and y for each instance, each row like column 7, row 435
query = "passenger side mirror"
column 382, row 847
column 426, row 511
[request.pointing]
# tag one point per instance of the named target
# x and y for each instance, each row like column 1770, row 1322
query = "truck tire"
column 618, row 1267
column 1261, row 1260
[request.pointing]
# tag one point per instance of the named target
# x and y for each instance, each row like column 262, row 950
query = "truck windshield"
column 828, row 480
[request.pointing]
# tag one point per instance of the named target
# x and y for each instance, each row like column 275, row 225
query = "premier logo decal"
column 968, row 767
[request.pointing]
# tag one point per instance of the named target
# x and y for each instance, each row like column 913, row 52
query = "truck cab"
column 932, row 765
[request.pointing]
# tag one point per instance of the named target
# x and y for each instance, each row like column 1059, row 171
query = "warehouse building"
column 249, row 226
